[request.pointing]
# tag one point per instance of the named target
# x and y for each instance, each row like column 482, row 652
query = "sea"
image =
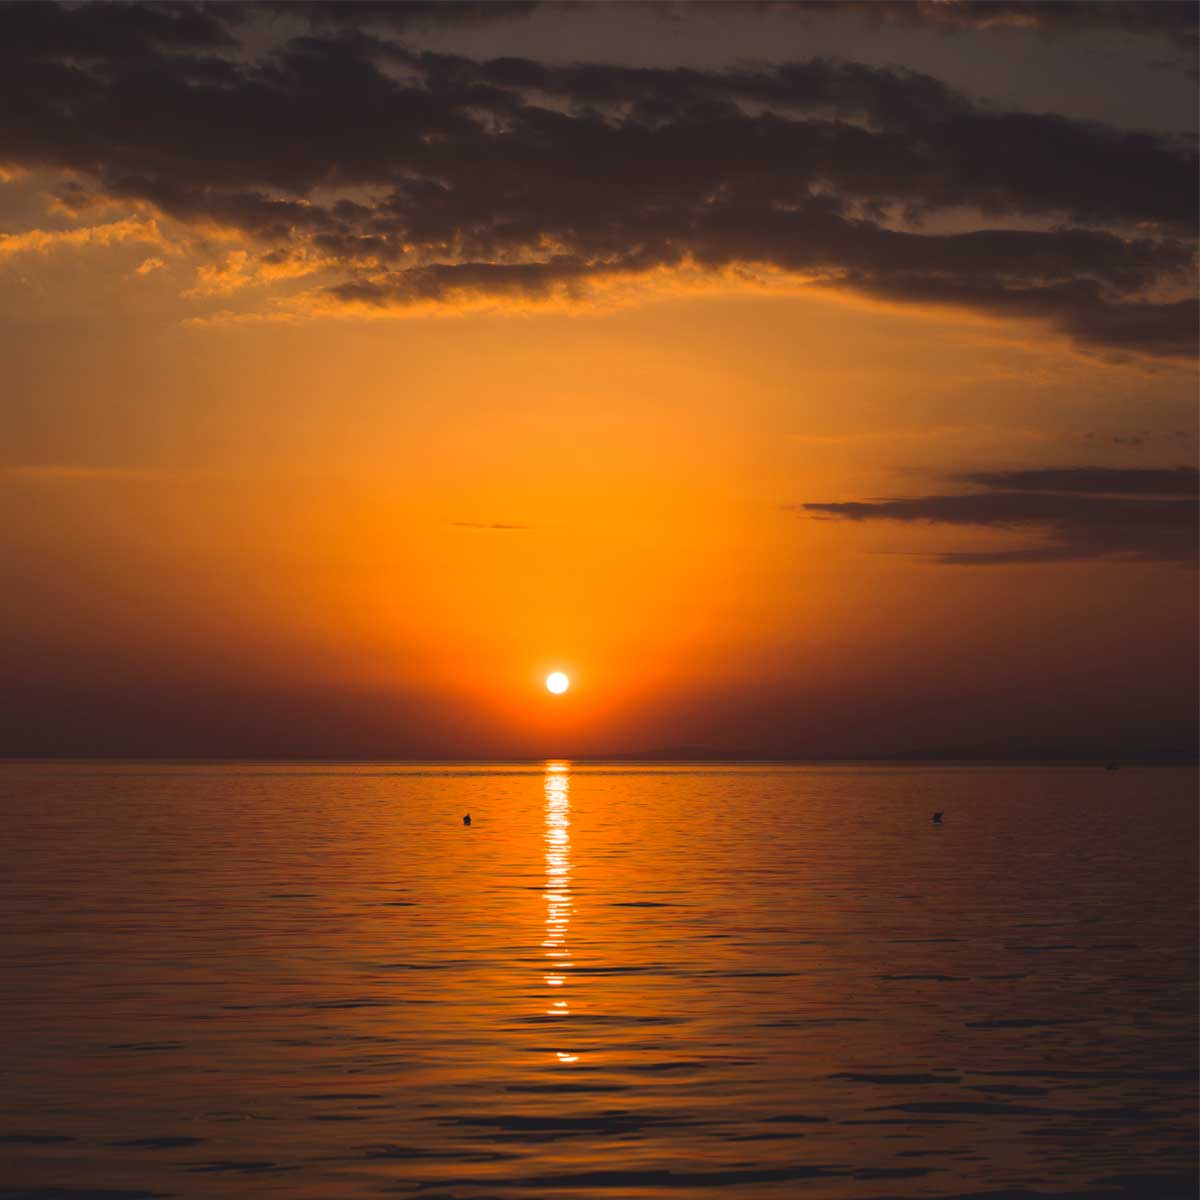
column 622, row 980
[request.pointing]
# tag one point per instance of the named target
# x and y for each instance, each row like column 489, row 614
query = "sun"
column 557, row 682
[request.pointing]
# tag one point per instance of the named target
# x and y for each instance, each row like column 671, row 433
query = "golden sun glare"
column 557, row 682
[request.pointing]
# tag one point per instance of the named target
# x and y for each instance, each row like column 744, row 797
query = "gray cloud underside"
column 1131, row 522
column 420, row 176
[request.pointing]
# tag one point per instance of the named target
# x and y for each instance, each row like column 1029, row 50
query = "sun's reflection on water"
column 557, row 895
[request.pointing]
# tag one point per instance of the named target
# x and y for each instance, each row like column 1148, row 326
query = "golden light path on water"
column 558, row 893
column 806, row 991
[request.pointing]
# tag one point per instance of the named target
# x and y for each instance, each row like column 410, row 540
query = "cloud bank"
column 1135, row 514
column 401, row 178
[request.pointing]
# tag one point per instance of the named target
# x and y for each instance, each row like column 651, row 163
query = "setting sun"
column 816, row 381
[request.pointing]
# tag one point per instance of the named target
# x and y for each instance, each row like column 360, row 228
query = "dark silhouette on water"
column 467, row 819
column 937, row 818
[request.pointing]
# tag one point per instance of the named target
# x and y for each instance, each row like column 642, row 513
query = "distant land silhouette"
column 1123, row 756
column 981, row 754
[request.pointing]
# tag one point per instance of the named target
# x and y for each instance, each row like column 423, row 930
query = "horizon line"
column 648, row 757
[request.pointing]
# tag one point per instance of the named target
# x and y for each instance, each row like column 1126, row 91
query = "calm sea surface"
column 622, row 981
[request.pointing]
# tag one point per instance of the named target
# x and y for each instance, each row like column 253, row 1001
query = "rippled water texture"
column 618, row 982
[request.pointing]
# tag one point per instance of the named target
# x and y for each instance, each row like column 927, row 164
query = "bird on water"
column 467, row 819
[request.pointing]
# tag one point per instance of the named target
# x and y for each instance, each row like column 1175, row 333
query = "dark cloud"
column 116, row 31
column 1084, row 512
column 420, row 177
column 877, row 135
column 400, row 15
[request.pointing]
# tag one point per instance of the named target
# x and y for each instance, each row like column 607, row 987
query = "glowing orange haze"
column 378, row 537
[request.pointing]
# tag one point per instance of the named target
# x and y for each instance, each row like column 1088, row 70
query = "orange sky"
column 243, row 520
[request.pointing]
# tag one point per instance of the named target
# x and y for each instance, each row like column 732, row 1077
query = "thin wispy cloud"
column 490, row 526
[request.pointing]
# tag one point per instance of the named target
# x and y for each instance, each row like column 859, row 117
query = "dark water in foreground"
column 620, row 982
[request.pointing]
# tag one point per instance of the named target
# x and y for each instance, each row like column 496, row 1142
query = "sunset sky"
column 804, row 380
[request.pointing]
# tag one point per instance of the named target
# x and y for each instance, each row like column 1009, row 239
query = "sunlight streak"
column 558, row 892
